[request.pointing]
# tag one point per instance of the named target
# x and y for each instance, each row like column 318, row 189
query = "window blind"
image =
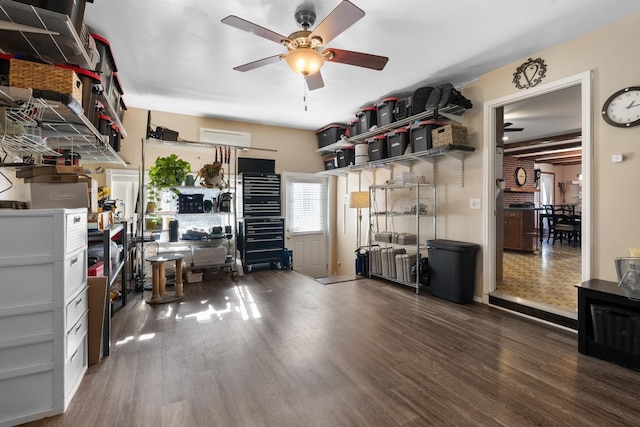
column 307, row 205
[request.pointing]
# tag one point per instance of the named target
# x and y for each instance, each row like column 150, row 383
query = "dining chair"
column 546, row 213
column 564, row 225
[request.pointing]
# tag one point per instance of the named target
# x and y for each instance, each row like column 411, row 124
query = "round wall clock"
column 520, row 176
column 530, row 73
column 622, row 109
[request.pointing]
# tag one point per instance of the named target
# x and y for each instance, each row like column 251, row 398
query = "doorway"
column 547, row 186
column 492, row 160
column 307, row 222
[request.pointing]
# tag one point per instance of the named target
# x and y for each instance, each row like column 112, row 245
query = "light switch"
column 474, row 203
column 616, row 158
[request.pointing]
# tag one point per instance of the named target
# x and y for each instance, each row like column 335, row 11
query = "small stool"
column 159, row 294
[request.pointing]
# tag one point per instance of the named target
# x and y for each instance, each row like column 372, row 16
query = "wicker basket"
column 449, row 134
column 32, row 75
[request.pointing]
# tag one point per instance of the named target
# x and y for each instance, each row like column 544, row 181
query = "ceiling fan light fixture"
column 305, row 61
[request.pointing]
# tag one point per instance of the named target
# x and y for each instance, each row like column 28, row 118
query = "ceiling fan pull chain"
column 304, row 93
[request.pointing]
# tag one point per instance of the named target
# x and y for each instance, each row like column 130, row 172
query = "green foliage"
column 166, row 174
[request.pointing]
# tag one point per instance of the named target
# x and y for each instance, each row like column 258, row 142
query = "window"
column 124, row 185
column 307, row 205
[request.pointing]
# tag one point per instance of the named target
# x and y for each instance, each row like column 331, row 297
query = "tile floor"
column 547, row 277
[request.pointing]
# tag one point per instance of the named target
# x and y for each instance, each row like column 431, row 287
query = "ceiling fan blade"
column 12, row 26
column 508, row 128
column 244, row 25
column 259, row 63
column 342, row 17
column 314, row 81
column 359, row 59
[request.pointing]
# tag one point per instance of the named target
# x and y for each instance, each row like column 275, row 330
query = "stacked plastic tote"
column 393, row 263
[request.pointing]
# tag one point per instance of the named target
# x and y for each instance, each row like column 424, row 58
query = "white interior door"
column 307, row 222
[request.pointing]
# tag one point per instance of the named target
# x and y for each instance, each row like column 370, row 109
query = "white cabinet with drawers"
column 43, row 311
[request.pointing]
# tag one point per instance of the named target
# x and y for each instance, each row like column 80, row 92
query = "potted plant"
column 166, row 174
column 212, row 175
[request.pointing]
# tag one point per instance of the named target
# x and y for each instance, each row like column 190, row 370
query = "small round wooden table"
column 159, row 294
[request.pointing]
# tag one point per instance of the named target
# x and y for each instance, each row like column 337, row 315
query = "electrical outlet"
column 474, row 203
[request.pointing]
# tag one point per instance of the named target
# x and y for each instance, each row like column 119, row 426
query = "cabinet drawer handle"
column 78, row 302
column 76, row 219
column 74, row 260
column 78, row 328
column 74, row 355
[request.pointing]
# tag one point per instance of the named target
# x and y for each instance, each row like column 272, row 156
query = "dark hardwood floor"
column 275, row 348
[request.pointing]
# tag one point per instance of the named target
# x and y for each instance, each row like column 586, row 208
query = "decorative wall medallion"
column 530, row 73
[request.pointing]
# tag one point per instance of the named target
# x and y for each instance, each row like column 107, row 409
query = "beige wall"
column 615, row 202
column 295, row 148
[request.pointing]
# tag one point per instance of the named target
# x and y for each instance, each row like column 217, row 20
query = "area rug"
column 336, row 279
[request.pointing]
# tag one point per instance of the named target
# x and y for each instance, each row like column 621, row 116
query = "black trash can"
column 452, row 269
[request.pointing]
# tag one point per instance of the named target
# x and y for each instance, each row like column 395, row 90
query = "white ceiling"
column 176, row 56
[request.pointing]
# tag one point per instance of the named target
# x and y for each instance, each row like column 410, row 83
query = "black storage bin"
column 330, row 161
column 115, row 137
column 120, row 109
column 616, row 327
column 420, row 134
column 353, row 128
column 330, row 134
column 367, row 117
column 91, row 90
column 74, row 9
column 397, row 141
column 107, row 64
column 452, row 269
column 104, row 124
column 346, row 156
column 384, row 111
column 115, row 92
column 403, row 108
column 378, row 147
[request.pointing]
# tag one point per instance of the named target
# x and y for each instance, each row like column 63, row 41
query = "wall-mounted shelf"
column 66, row 47
column 196, row 145
column 62, row 124
column 521, row 190
column 63, row 48
column 452, row 112
column 429, row 156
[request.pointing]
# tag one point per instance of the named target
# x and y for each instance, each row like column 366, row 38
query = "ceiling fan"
column 306, row 49
column 508, row 128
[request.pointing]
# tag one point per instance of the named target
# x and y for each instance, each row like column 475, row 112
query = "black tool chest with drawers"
column 260, row 194
column 261, row 229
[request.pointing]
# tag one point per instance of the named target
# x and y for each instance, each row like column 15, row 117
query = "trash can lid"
column 452, row 245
